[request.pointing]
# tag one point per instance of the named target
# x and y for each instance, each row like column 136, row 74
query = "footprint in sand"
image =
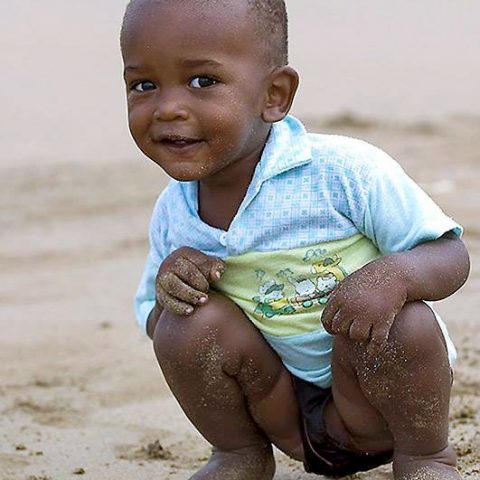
column 50, row 413
column 149, row 451
column 12, row 462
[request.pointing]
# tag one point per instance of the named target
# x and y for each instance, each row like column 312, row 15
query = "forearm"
column 365, row 304
column 431, row 271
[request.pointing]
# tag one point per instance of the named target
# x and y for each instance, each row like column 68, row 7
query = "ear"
column 282, row 86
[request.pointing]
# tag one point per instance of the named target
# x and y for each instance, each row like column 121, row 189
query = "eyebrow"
column 129, row 68
column 199, row 62
column 186, row 62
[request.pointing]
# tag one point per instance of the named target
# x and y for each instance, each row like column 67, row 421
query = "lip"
column 178, row 143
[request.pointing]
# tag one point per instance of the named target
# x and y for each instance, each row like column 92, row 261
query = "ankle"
column 436, row 466
column 446, row 456
column 248, row 463
column 257, row 449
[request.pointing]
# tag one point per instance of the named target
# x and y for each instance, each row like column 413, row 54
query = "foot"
column 253, row 463
column 439, row 466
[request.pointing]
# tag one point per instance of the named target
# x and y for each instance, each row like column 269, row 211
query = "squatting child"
column 286, row 285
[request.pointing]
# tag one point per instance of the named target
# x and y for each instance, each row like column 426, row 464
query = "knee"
column 416, row 333
column 182, row 338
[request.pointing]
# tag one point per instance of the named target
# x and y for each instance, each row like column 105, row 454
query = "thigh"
column 353, row 418
column 380, row 398
column 218, row 342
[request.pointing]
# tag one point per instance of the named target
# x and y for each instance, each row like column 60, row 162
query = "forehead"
column 190, row 25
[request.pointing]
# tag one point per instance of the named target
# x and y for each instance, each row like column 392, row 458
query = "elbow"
column 467, row 264
column 462, row 262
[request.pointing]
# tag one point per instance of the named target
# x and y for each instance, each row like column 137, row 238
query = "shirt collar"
column 287, row 147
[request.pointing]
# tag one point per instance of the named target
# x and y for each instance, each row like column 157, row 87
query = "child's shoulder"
column 348, row 154
column 170, row 200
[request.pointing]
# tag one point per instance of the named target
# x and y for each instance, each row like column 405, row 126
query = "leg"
column 232, row 386
column 400, row 398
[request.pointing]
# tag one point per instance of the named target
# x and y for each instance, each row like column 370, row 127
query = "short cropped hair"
column 271, row 25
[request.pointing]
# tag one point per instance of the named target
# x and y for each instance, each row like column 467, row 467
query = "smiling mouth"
column 178, row 141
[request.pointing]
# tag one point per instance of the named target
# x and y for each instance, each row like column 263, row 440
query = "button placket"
column 223, row 239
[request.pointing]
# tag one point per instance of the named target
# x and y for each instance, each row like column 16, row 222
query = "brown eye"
column 144, row 86
column 202, row 82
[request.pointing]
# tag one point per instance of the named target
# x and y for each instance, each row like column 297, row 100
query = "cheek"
column 242, row 131
column 138, row 123
column 139, row 129
column 234, row 125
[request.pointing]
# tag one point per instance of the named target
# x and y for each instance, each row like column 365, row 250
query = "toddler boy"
column 285, row 285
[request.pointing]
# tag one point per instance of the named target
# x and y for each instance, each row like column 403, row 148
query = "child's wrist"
column 401, row 272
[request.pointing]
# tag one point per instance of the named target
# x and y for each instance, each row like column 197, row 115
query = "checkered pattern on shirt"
column 306, row 189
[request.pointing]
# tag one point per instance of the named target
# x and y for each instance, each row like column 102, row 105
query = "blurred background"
column 80, row 391
column 62, row 90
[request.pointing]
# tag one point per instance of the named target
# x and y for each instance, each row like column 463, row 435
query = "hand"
column 365, row 304
column 184, row 279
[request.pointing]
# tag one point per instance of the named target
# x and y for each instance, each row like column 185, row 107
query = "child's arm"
column 365, row 304
column 182, row 283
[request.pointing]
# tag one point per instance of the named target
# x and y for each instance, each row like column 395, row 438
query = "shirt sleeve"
column 159, row 250
column 398, row 214
column 145, row 296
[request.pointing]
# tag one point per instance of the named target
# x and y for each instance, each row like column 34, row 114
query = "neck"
column 220, row 196
column 235, row 176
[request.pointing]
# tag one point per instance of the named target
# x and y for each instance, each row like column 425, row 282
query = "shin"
column 228, row 381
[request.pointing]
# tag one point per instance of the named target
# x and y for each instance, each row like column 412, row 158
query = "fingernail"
column 203, row 299
column 217, row 275
column 189, row 310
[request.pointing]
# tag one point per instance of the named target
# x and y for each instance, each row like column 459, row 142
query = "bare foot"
column 439, row 466
column 254, row 463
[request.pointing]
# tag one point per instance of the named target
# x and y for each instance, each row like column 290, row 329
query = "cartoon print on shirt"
column 305, row 291
column 271, row 300
column 325, row 285
column 330, row 275
column 330, row 264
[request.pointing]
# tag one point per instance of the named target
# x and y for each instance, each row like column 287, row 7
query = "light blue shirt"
column 306, row 189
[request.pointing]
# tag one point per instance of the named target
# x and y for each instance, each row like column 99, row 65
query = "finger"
column 341, row 324
column 360, row 331
column 211, row 267
column 379, row 337
column 172, row 304
column 180, row 290
column 327, row 320
column 217, row 269
column 214, row 269
column 329, row 313
column 188, row 271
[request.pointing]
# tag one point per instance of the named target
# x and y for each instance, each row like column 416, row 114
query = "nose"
column 170, row 106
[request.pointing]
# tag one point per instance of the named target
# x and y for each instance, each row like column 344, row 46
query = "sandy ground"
column 80, row 393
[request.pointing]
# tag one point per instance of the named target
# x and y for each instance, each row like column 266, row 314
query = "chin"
column 184, row 175
column 183, row 171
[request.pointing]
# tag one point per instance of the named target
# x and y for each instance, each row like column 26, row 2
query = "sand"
column 80, row 392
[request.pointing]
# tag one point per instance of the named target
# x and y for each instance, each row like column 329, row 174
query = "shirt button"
column 223, row 239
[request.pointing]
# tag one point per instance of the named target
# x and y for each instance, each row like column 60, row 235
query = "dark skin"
column 186, row 74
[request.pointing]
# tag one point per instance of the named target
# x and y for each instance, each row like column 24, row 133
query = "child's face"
column 197, row 82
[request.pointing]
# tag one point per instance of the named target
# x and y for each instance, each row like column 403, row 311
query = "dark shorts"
column 323, row 454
